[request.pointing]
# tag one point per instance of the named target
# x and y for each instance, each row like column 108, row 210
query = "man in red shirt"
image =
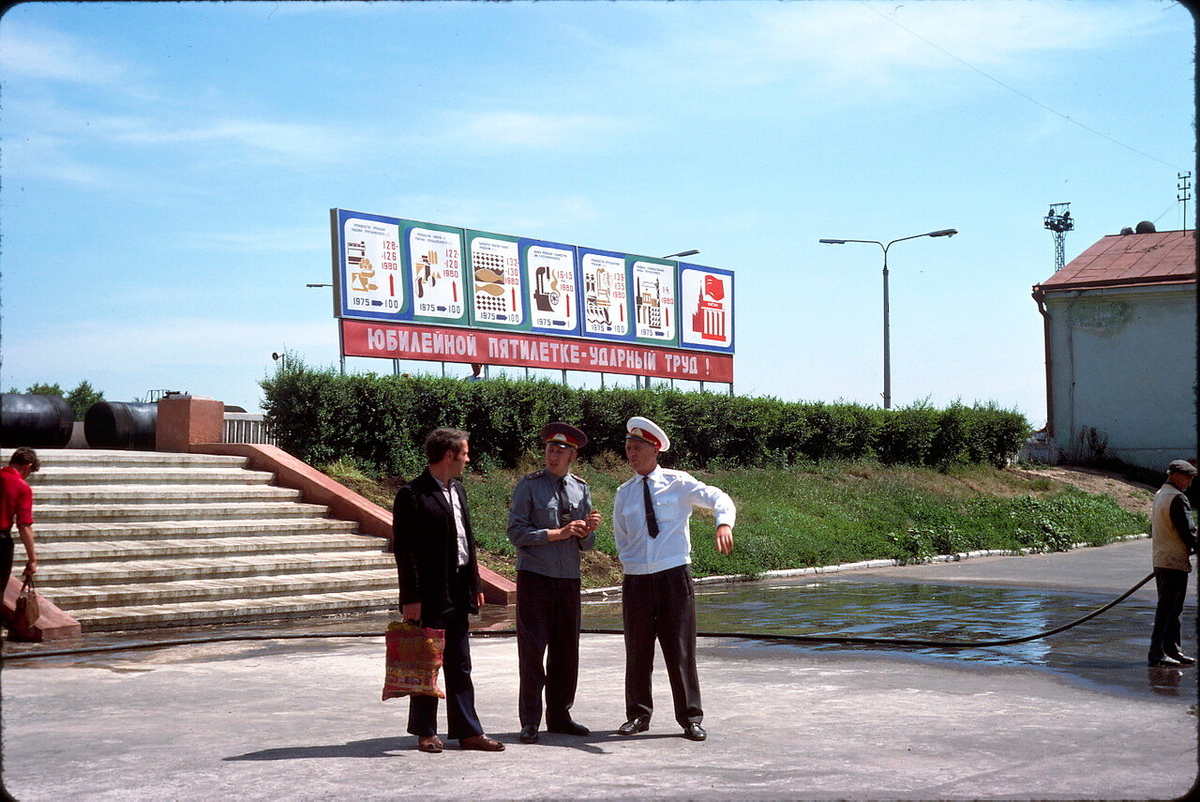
column 16, row 508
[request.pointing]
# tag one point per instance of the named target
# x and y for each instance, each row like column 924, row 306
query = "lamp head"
column 945, row 232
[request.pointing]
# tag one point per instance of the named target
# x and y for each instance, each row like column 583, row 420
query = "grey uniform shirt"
column 534, row 512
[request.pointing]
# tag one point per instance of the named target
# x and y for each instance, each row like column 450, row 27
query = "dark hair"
column 26, row 456
column 442, row 440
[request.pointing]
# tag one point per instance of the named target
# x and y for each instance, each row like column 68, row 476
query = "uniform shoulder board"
column 577, row 478
column 534, row 475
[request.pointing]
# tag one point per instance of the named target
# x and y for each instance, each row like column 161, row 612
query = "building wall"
column 1123, row 362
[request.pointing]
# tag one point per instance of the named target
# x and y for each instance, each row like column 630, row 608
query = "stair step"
column 227, row 610
column 166, row 549
column 116, row 460
column 152, row 530
column 71, row 475
column 154, row 494
column 135, row 571
column 91, row 597
column 175, row 512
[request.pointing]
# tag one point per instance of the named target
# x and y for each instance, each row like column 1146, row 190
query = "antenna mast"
column 1058, row 220
column 1183, row 195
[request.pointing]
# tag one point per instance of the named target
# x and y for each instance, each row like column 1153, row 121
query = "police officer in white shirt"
column 650, row 524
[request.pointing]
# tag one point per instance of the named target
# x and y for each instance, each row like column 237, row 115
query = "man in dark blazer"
column 439, row 585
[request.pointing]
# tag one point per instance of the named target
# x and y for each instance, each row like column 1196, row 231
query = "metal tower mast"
column 1058, row 220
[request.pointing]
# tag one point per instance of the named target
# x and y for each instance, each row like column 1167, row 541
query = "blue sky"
column 168, row 170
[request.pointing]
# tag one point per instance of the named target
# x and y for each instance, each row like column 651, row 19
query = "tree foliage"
column 81, row 398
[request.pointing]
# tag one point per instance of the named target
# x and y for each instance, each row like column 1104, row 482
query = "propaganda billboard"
column 398, row 271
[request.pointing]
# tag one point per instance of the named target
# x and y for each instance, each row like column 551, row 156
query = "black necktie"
column 564, row 505
column 651, row 520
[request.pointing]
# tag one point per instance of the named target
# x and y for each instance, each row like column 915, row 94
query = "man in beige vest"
column 1174, row 533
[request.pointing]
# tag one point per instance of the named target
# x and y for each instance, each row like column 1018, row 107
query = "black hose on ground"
column 762, row 636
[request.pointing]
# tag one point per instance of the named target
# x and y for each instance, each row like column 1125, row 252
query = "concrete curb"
column 788, row 573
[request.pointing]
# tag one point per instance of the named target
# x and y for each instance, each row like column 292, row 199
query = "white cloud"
column 528, row 216
column 293, row 140
column 831, row 47
column 502, row 130
column 264, row 240
column 41, row 134
column 36, row 52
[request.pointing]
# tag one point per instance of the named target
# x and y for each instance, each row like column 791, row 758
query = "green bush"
column 380, row 422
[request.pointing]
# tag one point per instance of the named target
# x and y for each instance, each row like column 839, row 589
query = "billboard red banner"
column 439, row 344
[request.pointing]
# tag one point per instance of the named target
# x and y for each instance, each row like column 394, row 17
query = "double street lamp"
column 887, row 337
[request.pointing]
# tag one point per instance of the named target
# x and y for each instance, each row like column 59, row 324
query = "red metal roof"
column 1164, row 257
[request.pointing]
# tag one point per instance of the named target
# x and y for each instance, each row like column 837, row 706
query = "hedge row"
column 380, row 422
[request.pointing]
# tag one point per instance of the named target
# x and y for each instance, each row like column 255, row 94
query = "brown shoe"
column 481, row 743
column 429, row 743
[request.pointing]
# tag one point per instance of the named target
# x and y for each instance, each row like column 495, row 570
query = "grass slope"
column 820, row 514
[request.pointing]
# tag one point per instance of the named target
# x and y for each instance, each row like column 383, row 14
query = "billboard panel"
column 652, row 287
column 705, row 308
column 619, row 307
column 367, row 267
column 499, row 296
column 431, row 256
column 551, row 275
column 605, row 295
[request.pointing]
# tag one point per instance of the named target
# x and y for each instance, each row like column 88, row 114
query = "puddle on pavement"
column 1108, row 652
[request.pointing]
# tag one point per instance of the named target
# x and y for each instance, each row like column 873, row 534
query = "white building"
column 1120, row 333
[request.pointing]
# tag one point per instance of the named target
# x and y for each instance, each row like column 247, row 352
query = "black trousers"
column 461, row 719
column 1172, row 592
column 661, row 606
column 6, row 558
column 548, row 611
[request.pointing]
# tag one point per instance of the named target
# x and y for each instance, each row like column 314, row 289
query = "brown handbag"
column 25, row 613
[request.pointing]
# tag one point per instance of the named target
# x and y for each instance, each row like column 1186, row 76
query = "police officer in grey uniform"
column 551, row 521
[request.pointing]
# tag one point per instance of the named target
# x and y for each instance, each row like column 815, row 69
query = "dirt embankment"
column 1132, row 496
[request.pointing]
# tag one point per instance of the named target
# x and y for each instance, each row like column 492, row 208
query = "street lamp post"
column 341, row 351
column 887, row 335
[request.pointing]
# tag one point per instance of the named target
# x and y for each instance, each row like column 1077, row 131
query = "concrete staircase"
column 131, row 539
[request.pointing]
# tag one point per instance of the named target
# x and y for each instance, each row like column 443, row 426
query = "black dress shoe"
column 568, row 727
column 529, row 734
column 694, row 732
column 633, row 726
column 1183, row 658
column 1164, row 661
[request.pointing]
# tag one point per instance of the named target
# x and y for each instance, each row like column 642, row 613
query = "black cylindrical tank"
column 37, row 421
column 121, row 424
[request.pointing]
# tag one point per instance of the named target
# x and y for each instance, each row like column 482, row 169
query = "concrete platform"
column 303, row 720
